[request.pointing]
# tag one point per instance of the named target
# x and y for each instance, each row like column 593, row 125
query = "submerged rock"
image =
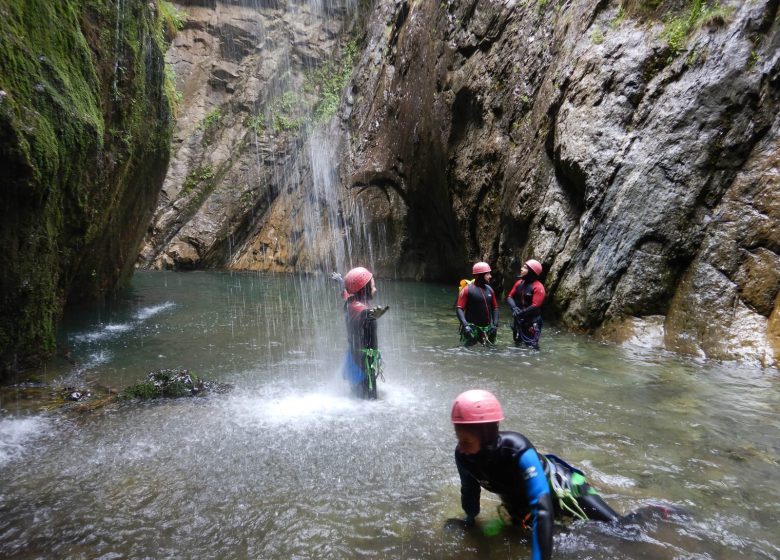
column 172, row 383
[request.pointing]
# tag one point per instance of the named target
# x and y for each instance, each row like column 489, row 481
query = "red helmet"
column 534, row 265
column 480, row 268
column 476, row 407
column 356, row 279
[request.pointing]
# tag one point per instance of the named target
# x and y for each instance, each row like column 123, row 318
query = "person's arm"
column 469, row 493
column 336, row 277
column 538, row 494
column 510, row 298
column 494, row 322
column 537, row 299
column 459, row 309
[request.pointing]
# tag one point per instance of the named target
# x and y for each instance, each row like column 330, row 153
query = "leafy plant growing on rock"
column 699, row 14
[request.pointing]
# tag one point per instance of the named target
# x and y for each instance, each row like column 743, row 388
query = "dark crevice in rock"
column 466, row 111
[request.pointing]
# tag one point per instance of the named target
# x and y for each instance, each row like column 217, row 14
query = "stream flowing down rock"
column 631, row 150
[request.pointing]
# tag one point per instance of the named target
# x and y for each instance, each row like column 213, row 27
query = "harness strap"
column 372, row 360
column 560, row 484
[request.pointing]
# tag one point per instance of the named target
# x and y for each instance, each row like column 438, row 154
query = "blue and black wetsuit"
column 513, row 469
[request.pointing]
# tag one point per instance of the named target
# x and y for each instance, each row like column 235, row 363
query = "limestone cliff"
column 629, row 146
column 84, row 134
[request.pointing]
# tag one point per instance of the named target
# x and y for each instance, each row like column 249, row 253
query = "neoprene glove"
column 516, row 312
column 468, row 331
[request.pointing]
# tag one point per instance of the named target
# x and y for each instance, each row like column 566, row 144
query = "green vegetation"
column 202, row 175
column 256, row 124
column 170, row 90
column 288, row 112
column 210, row 120
column 171, row 383
column 597, row 37
column 209, row 125
column 165, row 383
column 698, row 14
column 172, row 19
column 328, row 81
column 86, row 128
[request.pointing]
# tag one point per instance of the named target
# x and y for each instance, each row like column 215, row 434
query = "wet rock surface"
column 638, row 167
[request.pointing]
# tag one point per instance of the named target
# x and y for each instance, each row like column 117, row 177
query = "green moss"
column 172, row 19
column 84, row 131
column 597, row 37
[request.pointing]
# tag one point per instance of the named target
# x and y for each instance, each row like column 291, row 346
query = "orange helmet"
column 356, row 279
column 476, row 407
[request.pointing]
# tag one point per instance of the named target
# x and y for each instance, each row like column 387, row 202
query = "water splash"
column 17, row 434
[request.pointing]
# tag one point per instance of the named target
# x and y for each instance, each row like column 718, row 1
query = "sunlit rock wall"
column 255, row 79
column 84, row 134
column 637, row 161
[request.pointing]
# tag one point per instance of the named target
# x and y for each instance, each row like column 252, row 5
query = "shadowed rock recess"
column 85, row 129
column 631, row 147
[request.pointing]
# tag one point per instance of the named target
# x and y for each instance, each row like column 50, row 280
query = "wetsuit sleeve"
column 538, row 298
column 538, row 494
column 469, row 491
column 462, row 297
column 510, row 298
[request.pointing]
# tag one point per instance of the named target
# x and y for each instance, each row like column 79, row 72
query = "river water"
column 288, row 465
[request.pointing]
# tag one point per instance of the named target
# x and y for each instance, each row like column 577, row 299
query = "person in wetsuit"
column 363, row 363
column 534, row 488
column 525, row 299
column 477, row 308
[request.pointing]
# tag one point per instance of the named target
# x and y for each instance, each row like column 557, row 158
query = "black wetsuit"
column 513, row 469
column 361, row 367
column 477, row 307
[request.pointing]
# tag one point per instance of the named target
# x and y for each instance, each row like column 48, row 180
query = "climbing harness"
column 373, row 366
column 480, row 333
column 527, row 334
column 566, row 483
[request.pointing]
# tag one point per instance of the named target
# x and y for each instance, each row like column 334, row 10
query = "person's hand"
column 468, row 332
column 516, row 312
column 493, row 331
column 377, row 312
column 335, row 276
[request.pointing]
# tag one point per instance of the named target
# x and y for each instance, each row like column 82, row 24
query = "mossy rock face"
column 85, row 128
column 172, row 383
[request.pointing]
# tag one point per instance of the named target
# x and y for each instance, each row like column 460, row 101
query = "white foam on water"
column 16, row 434
column 119, row 328
column 147, row 312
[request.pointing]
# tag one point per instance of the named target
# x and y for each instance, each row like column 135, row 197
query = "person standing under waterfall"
column 363, row 363
column 525, row 299
column 477, row 308
column 534, row 489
